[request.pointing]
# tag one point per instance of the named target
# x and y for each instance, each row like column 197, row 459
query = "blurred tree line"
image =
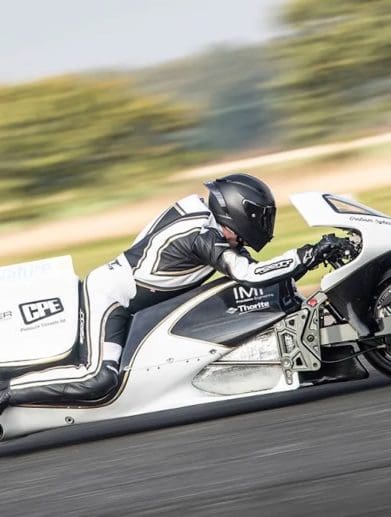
column 333, row 69
column 73, row 136
column 325, row 77
column 102, row 137
column 228, row 84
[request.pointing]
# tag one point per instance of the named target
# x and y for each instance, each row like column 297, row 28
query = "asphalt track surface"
column 319, row 451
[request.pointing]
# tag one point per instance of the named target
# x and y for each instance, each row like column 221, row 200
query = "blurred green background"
column 85, row 143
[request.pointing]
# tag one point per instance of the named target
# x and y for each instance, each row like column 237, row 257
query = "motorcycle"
column 216, row 343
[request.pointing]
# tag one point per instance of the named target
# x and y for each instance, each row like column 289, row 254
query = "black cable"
column 356, row 354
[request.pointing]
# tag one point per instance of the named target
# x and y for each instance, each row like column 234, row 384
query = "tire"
column 380, row 308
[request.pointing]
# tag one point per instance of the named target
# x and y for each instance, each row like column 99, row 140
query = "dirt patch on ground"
column 354, row 177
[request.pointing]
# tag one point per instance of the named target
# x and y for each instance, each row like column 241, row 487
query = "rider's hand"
column 311, row 255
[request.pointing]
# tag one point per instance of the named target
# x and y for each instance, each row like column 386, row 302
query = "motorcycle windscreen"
column 322, row 209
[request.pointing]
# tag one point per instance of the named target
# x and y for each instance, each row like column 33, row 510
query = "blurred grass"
column 123, row 186
column 322, row 163
column 291, row 232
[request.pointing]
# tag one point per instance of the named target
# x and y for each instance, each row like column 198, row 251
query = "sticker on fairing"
column 6, row 315
column 40, row 309
column 249, row 299
column 281, row 264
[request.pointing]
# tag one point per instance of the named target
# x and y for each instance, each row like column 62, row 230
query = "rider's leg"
column 107, row 289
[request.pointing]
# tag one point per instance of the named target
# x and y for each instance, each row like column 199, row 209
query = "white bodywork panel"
column 38, row 311
column 160, row 378
column 375, row 229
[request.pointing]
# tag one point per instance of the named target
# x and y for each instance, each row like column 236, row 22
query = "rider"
column 179, row 250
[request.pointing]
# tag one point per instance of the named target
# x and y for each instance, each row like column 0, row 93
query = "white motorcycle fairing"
column 203, row 347
column 38, row 312
column 159, row 368
column 319, row 209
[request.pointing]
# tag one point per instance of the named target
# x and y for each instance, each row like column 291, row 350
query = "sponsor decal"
column 363, row 219
column 6, row 315
column 40, row 309
column 246, row 294
column 24, row 271
column 111, row 265
column 42, row 325
column 249, row 299
column 81, row 326
column 307, row 255
column 282, row 264
column 259, row 306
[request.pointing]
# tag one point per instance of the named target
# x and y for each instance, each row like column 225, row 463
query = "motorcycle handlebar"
column 343, row 254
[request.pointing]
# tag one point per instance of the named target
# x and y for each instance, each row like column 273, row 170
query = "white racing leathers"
column 179, row 250
column 103, row 322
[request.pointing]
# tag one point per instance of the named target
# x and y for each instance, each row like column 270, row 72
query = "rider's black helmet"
column 245, row 205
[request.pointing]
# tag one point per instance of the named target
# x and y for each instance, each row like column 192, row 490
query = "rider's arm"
column 241, row 269
column 213, row 249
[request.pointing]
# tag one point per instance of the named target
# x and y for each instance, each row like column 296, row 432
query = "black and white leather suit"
column 179, row 250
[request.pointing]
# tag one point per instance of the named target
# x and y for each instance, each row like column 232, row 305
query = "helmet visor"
column 262, row 216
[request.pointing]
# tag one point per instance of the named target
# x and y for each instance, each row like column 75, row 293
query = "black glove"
column 311, row 255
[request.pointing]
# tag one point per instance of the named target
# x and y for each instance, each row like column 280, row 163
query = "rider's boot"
column 93, row 389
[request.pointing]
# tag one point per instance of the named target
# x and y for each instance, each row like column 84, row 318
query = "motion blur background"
column 111, row 110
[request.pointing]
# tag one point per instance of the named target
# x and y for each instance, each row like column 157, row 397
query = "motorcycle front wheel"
column 380, row 357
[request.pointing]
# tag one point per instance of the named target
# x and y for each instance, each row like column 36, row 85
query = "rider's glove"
column 311, row 255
